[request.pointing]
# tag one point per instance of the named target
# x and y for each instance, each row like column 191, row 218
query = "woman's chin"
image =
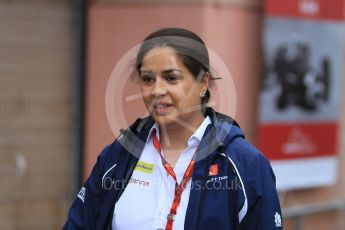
column 164, row 120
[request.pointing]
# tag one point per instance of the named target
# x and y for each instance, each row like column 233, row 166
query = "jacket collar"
column 222, row 130
column 217, row 136
column 140, row 125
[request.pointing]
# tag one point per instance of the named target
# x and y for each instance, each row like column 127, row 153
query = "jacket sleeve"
column 264, row 211
column 86, row 206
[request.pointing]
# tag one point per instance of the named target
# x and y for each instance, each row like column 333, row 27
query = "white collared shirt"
column 147, row 199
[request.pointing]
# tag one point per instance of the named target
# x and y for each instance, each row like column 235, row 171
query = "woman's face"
column 170, row 92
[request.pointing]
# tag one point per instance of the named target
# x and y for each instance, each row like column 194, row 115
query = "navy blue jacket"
column 241, row 196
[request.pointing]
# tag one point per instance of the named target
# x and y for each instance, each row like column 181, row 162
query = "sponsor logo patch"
column 213, row 170
column 81, row 194
column 220, row 178
column 144, row 167
column 139, row 182
column 278, row 220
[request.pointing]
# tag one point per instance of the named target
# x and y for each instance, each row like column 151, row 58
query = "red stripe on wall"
column 309, row 9
column 298, row 140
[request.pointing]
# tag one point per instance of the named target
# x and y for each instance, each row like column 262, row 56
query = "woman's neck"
column 175, row 136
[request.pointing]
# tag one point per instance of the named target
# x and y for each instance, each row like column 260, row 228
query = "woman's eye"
column 147, row 79
column 171, row 78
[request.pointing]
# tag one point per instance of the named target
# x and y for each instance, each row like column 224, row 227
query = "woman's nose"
column 159, row 88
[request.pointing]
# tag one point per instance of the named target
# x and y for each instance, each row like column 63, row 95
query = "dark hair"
column 189, row 47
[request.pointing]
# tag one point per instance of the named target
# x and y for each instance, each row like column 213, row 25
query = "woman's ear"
column 205, row 81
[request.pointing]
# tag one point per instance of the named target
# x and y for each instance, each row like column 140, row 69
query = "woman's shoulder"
column 108, row 155
column 242, row 149
column 250, row 161
column 129, row 143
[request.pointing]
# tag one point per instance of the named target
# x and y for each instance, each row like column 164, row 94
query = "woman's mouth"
column 162, row 108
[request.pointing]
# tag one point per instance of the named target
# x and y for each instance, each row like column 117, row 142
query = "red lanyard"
column 178, row 187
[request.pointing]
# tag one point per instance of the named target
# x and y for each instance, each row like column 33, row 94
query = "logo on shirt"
column 278, row 219
column 81, row 194
column 139, row 182
column 144, row 167
column 213, row 170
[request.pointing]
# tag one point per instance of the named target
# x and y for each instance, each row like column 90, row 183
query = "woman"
column 183, row 167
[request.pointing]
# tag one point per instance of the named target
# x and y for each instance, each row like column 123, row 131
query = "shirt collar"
column 154, row 127
column 196, row 137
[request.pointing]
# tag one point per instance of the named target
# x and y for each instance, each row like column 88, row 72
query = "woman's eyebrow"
column 143, row 70
column 171, row 70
